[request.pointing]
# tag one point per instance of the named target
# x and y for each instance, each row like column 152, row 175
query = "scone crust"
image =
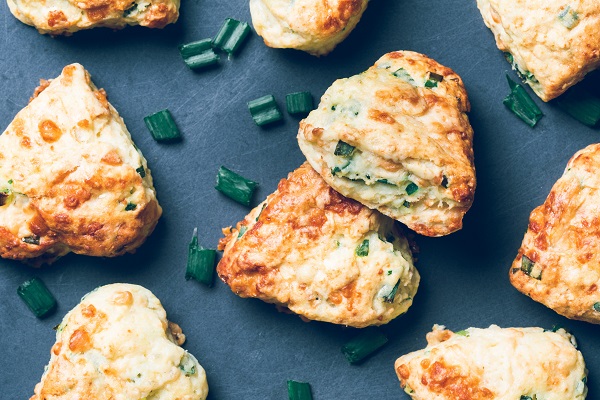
column 562, row 241
column 314, row 26
column 540, row 44
column 70, row 176
column 405, row 132
column 118, row 345
column 63, row 17
column 494, row 363
column 298, row 249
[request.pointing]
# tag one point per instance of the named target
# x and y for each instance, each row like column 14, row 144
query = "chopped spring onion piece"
column 243, row 230
column 530, row 268
column 445, row 181
column 235, row 186
column 4, row 198
column 142, row 171
column 335, row 170
column 389, row 298
column 464, row 333
column 37, row 297
column 406, row 204
column 298, row 390
column 187, row 365
column 264, row 110
column 198, row 54
column 405, row 76
column 162, row 127
column 597, row 306
column 129, row 10
column 343, row 149
column 299, row 103
column 362, row 250
column 581, row 104
column 519, row 102
column 430, row 84
column 523, row 397
column 33, row 239
column 433, row 80
column 411, row 188
column 231, row 35
column 130, row 206
column 200, row 262
column 363, row 345
column 568, row 17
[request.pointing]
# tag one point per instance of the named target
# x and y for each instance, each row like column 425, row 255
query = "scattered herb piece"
column 130, row 206
column 389, row 298
column 37, row 297
column 362, row 250
column 405, row 76
column 298, row 390
column 231, row 35
column 162, row 126
column 198, row 54
column 343, row 149
column 299, row 103
column 235, row 186
column 264, row 110
column 200, row 262
column 33, row 239
column 597, row 306
column 363, row 345
column 521, row 104
column 581, row 104
column 569, row 17
column 140, row 170
column 406, row 204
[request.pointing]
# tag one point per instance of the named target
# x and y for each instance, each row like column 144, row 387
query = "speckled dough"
column 63, row 17
column 495, row 363
column 315, row 26
column 553, row 47
column 70, row 176
column 118, row 345
column 406, row 132
column 299, row 249
column 558, row 263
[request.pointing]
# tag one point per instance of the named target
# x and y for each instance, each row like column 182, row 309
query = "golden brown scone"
column 495, row 363
column 397, row 139
column 552, row 44
column 558, row 263
column 118, row 344
column 314, row 26
column 63, row 17
column 71, row 179
column 323, row 256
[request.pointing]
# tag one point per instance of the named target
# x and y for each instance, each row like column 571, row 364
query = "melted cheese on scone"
column 118, row 345
column 71, row 179
column 552, row 44
column 314, row 26
column 397, row 139
column 323, row 256
column 495, row 363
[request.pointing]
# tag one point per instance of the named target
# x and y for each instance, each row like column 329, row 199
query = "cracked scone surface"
column 304, row 248
column 495, row 363
column 63, row 17
column 558, row 263
column 406, row 142
column 71, row 177
column 553, row 43
column 118, row 345
column 314, row 26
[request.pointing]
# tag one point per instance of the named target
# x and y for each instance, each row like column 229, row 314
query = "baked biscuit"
column 495, row 363
column 71, row 179
column 118, row 344
column 397, row 139
column 314, row 26
column 558, row 263
column 323, row 256
column 552, row 44
column 63, row 17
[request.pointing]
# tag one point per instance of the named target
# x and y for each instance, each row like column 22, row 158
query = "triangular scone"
column 118, row 344
column 397, row 138
column 71, row 178
column 63, row 17
column 322, row 255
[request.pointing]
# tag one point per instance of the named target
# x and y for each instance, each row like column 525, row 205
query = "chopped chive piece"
column 568, row 17
column 142, row 171
column 187, row 366
column 198, row 54
column 243, row 230
column 523, row 397
column 526, row 264
column 10, row 181
column 389, row 298
column 37, row 297
column 431, row 84
column 129, row 10
column 264, row 110
column 343, row 149
column 362, row 250
column 33, row 239
column 406, row 204
column 162, row 127
column 298, row 390
column 130, row 206
column 464, row 333
column 299, row 103
column 405, row 76
column 200, row 262
column 335, row 170
column 444, row 181
column 435, row 77
column 235, row 186
column 581, row 104
column 597, row 306
column 519, row 102
column 363, row 345
column 231, row 35
column 411, row 188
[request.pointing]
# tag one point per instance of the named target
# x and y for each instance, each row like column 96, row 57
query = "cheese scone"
column 495, row 363
column 63, row 17
column 552, row 44
column 118, row 345
column 397, row 138
column 314, row 26
column 71, row 178
column 558, row 263
column 321, row 255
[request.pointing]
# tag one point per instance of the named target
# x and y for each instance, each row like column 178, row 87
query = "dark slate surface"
column 248, row 349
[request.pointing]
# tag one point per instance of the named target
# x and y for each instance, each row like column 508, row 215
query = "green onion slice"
column 597, row 306
column 142, row 171
column 362, row 250
column 265, row 110
column 298, row 390
column 530, row 268
column 569, row 17
column 198, row 54
column 200, row 263
column 33, row 239
column 299, row 103
column 464, row 333
column 130, row 206
column 235, row 186
column 389, row 298
column 37, row 297
column 406, row 204
column 162, row 126
column 411, row 188
column 343, row 149
column 363, row 345
column 521, row 104
column 581, row 104
column 405, row 76
column 231, row 35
